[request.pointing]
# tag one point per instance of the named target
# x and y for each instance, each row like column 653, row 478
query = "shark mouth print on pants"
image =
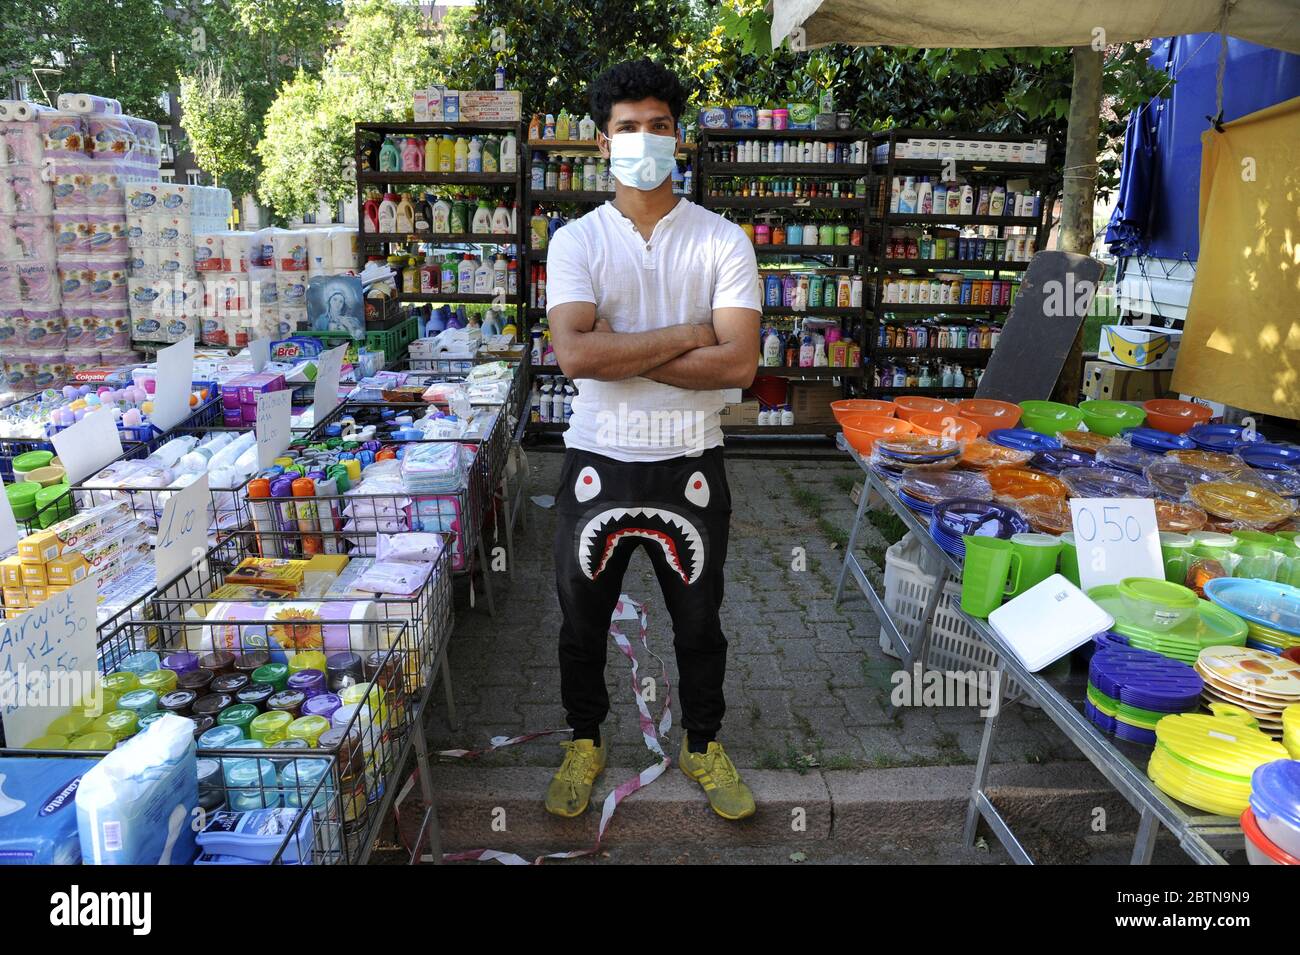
column 608, row 526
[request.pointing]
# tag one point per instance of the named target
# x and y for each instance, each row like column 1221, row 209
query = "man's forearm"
column 613, row 356
column 717, row 366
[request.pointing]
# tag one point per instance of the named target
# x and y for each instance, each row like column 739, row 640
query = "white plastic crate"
column 954, row 644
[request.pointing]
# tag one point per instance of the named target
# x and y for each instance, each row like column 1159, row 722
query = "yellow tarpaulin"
column 1241, row 340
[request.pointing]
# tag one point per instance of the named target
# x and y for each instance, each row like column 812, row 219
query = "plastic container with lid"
column 22, row 499
column 299, row 781
column 1157, row 604
column 1275, row 801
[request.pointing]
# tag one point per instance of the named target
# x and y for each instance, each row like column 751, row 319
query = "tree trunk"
column 1079, row 193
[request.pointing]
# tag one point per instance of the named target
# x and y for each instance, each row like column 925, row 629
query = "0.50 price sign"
column 1116, row 538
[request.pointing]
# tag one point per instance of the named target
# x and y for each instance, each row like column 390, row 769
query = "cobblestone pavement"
column 807, row 684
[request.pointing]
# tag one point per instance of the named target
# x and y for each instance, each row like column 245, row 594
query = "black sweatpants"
column 679, row 511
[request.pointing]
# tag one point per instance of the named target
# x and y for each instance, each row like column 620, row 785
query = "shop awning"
column 977, row 24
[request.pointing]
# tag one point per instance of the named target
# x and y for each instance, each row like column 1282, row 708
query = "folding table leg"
column 429, row 823
column 982, row 766
column 1145, row 845
column 853, row 540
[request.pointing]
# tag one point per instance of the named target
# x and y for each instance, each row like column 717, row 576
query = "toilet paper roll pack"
column 290, row 250
column 20, row 111
column 291, row 289
column 38, row 283
column 79, row 330
column 11, row 322
column 29, row 237
column 176, row 261
column 23, row 191
column 112, row 329
column 284, row 628
column 21, row 144
column 63, row 135
column 209, row 253
column 343, row 248
column 174, row 230
column 141, row 231
column 43, row 331
column 86, row 103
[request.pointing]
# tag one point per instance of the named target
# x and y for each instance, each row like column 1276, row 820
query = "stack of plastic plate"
column 1126, row 457
column 1271, row 610
column 952, row 520
column 904, row 451
column 1291, row 730
column 1056, row 460
column 1241, row 503
column 1009, row 484
column 1104, row 482
column 1179, row 518
column 1171, row 479
column 1261, row 683
column 1224, row 438
column 982, row 455
column 1271, row 457
column 1157, row 442
column 1131, row 690
column 1207, row 761
column 1228, row 464
column 1210, row 626
column 1285, row 483
column 1022, row 439
column 922, row 490
column 1270, row 639
column 1088, row 441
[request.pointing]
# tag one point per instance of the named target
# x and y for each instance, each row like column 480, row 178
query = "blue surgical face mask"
column 642, row 160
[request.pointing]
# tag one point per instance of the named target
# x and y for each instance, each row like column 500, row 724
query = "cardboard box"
column 1103, row 380
column 1140, row 346
column 11, row 572
column 37, row 595
column 811, row 401
column 67, row 569
column 15, row 598
column 485, row 106
column 740, row 413
column 34, row 575
column 39, row 548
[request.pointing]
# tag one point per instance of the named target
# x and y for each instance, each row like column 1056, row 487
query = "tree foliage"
column 218, row 125
column 379, row 58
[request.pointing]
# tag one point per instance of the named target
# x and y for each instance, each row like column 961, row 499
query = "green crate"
column 391, row 341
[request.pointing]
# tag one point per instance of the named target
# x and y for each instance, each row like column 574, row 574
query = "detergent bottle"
column 474, row 156
column 501, row 219
column 482, row 223
column 461, row 154
column 412, row 155
column 388, row 213
column 390, row 158
column 370, row 213
column 446, row 154
column 442, row 216
column 509, row 159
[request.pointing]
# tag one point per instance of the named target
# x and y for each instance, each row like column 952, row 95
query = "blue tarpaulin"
column 1160, row 182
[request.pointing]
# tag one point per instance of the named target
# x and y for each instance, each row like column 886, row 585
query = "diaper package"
column 38, row 818
column 134, row 807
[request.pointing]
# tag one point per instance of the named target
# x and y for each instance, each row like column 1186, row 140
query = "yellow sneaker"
column 570, row 788
column 716, row 773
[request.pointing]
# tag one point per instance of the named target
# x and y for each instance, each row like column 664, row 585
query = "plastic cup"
column 1175, row 550
column 991, row 572
column 1257, row 561
column 1069, row 559
column 1038, row 556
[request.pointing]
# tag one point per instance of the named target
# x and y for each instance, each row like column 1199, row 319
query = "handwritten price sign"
column 47, row 662
column 182, row 531
column 273, row 426
column 1116, row 538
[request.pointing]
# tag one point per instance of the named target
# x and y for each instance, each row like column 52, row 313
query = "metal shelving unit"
column 883, row 265
column 837, row 259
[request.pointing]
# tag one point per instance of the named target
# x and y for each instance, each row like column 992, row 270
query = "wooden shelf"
column 933, row 392
column 825, row 371
column 439, row 178
column 781, row 202
column 722, row 169
column 505, row 125
column 906, row 218
column 786, row 249
column 930, row 309
column 968, row 265
column 588, row 146
column 785, row 133
column 978, row 166
column 973, row 354
column 456, row 298
column 442, row 238
column 569, row 195
column 811, row 312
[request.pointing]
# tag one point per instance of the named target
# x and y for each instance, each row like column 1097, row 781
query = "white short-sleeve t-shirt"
column 695, row 261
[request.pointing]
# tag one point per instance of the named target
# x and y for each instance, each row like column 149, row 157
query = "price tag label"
column 273, row 424
column 182, row 531
column 1116, row 538
column 259, row 349
column 171, row 397
column 47, row 662
column 329, row 367
column 88, row 445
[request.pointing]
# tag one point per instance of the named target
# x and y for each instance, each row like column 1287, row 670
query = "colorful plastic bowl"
column 950, row 426
column 989, row 414
column 1049, row 417
column 1111, row 417
column 1156, row 603
column 848, row 406
column 862, row 430
column 1174, row 416
column 909, row 406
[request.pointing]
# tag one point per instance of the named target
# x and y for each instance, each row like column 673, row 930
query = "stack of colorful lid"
column 955, row 519
column 1209, row 626
column 1272, row 822
column 922, row 490
column 1131, row 690
column 1260, row 683
column 1207, row 761
column 1271, row 610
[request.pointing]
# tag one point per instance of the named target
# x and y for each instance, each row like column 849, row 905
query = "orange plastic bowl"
column 1174, row 416
column 1015, row 483
column 990, row 414
column 848, row 406
column 949, row 426
column 861, row 430
column 911, row 405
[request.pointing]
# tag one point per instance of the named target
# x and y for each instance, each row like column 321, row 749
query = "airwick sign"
column 1133, row 346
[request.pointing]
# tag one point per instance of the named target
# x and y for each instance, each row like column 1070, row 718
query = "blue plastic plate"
column 1259, row 601
column 1270, row 457
column 1224, row 438
column 1149, row 439
column 1022, row 439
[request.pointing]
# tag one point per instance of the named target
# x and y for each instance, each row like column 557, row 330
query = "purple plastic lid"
column 1275, row 791
column 1054, row 460
column 322, row 704
column 978, row 519
column 307, row 682
column 182, row 661
column 1145, row 679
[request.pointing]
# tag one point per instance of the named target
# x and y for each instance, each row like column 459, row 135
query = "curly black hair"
column 635, row 80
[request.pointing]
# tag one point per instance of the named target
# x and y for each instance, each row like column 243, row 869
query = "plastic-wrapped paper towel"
column 24, row 192
column 134, row 806
column 87, row 104
column 38, row 816
column 20, row 111
column 38, row 282
column 63, row 135
column 284, row 628
column 21, row 144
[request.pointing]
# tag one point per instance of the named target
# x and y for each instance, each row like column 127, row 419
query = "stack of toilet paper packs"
column 255, row 283
column 64, row 175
